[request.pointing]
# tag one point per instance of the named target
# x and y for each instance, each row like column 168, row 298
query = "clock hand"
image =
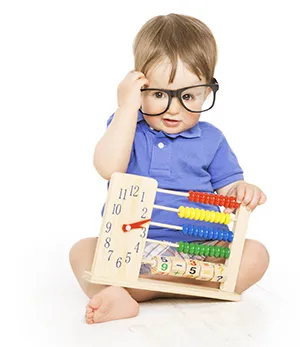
column 137, row 225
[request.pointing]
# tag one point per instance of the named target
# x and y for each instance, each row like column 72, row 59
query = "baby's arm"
column 112, row 152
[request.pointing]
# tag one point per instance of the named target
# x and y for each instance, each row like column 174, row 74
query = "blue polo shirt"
column 198, row 159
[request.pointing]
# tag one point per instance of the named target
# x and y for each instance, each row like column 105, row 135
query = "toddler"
column 156, row 132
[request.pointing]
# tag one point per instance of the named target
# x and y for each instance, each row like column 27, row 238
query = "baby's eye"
column 158, row 95
column 187, row 97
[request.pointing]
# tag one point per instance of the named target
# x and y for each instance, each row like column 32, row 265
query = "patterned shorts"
column 151, row 250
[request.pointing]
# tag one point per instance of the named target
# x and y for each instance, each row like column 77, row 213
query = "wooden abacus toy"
column 123, row 236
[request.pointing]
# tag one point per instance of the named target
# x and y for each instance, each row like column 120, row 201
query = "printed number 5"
column 128, row 258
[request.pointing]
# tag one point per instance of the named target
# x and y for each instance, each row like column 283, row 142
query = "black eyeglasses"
column 196, row 99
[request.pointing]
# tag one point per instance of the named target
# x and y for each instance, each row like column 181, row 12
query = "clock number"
column 143, row 232
column 137, row 247
column 111, row 252
column 144, row 212
column 143, row 195
column 116, row 209
column 121, row 193
column 119, row 262
column 108, row 227
column 128, row 258
column 107, row 242
column 134, row 191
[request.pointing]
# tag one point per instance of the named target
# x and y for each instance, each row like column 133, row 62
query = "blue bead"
column 184, row 229
column 216, row 234
column 230, row 236
column 221, row 233
column 210, row 234
column 200, row 233
column 196, row 231
column 205, row 234
column 191, row 230
column 225, row 235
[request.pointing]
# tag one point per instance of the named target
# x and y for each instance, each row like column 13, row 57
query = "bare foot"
column 110, row 304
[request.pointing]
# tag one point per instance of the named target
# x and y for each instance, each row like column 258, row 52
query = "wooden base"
column 167, row 287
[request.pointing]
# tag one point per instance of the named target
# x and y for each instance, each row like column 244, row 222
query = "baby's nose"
column 175, row 106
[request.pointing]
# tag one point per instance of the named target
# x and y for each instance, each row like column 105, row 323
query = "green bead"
column 211, row 251
column 180, row 248
column 206, row 250
column 217, row 251
column 227, row 252
column 186, row 247
column 197, row 249
column 201, row 249
column 222, row 252
column 192, row 248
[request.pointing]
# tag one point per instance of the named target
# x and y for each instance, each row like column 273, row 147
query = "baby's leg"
column 254, row 263
column 107, row 302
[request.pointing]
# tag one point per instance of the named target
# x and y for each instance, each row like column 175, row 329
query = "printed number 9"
column 164, row 266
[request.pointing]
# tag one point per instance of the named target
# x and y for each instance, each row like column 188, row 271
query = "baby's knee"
column 259, row 254
column 82, row 248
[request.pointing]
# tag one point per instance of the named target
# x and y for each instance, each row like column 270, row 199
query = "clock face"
column 119, row 249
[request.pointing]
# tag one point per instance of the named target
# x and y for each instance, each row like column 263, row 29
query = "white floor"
column 53, row 315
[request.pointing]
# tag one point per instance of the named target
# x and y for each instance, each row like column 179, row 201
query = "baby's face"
column 176, row 119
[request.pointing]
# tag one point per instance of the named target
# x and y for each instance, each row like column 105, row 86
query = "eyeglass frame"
column 177, row 92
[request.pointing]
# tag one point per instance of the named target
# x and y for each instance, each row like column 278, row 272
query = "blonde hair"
column 176, row 36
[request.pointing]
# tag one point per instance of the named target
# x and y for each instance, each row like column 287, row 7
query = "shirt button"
column 161, row 145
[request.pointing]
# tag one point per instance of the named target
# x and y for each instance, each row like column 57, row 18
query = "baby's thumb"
column 228, row 210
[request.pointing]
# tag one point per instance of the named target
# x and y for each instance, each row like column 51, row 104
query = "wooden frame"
column 123, row 235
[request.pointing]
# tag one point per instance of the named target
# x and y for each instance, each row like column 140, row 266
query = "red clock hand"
column 137, row 225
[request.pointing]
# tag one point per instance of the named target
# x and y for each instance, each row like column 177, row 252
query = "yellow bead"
column 222, row 218
column 197, row 214
column 228, row 219
column 212, row 216
column 207, row 216
column 192, row 213
column 202, row 214
column 217, row 217
column 187, row 212
column 181, row 212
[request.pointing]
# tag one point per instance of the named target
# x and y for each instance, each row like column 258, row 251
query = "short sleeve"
column 110, row 119
column 224, row 168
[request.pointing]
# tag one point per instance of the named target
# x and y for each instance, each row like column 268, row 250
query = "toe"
column 95, row 301
column 89, row 314
column 89, row 309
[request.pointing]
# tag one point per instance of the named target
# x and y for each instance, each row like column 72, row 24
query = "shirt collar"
column 193, row 132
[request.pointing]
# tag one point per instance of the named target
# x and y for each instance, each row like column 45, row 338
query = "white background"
column 60, row 64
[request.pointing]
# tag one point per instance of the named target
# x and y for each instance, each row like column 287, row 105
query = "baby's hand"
column 129, row 90
column 247, row 194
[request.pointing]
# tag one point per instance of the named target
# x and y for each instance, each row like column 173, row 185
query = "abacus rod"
column 165, row 243
column 174, row 192
column 166, row 208
column 166, row 225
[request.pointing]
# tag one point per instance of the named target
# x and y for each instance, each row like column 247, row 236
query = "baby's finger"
column 228, row 210
column 143, row 82
column 263, row 199
column 240, row 193
column 249, row 192
column 254, row 201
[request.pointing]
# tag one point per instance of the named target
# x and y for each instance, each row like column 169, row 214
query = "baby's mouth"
column 170, row 122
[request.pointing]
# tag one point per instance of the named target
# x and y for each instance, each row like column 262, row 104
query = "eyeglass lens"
column 195, row 99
